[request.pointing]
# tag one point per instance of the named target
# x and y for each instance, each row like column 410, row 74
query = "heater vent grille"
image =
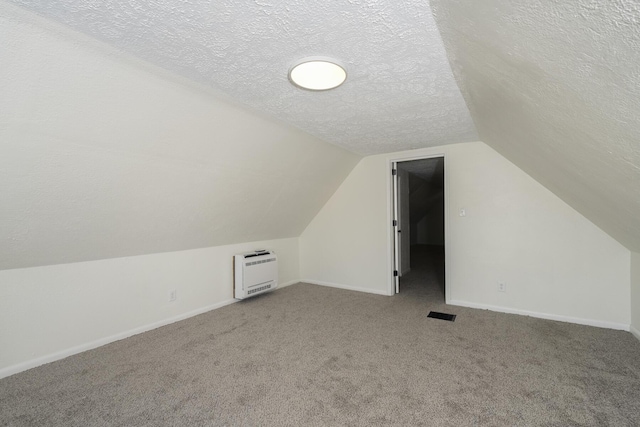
column 255, row 273
column 260, row 289
column 261, row 261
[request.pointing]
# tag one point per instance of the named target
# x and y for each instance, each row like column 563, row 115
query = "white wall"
column 635, row 294
column 105, row 156
column 345, row 245
column 47, row 313
column 553, row 86
column 555, row 262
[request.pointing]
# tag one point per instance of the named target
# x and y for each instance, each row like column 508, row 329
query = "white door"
column 400, row 201
column 396, row 228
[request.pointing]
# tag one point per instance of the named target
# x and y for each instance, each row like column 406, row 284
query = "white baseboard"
column 345, row 287
column 20, row 367
column 635, row 332
column 289, row 283
column 14, row 369
column 559, row 318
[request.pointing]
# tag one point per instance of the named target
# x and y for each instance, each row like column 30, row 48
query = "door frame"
column 391, row 230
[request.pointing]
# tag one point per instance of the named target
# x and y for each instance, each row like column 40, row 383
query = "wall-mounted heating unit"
column 255, row 273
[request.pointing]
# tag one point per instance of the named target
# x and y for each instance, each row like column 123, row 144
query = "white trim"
column 14, row 369
column 447, row 231
column 345, row 287
column 391, row 286
column 448, row 285
column 289, row 283
column 557, row 317
column 635, row 332
column 395, row 216
column 29, row 364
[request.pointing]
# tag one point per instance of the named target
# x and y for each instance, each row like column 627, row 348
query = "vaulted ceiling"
column 400, row 93
column 554, row 86
column 99, row 160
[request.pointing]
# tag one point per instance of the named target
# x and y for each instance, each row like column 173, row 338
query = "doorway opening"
column 419, row 228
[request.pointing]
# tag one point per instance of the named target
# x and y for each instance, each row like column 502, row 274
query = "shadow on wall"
column 426, row 202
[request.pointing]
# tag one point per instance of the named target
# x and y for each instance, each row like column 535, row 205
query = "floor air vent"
column 442, row 316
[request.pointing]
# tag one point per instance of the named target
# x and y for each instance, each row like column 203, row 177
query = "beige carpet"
column 309, row 355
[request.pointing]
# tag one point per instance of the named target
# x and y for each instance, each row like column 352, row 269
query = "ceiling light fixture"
column 317, row 73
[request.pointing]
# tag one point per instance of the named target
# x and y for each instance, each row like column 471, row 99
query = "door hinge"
column 394, row 172
column 395, row 222
column 395, row 273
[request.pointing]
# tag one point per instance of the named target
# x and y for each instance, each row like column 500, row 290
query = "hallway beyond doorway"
column 425, row 281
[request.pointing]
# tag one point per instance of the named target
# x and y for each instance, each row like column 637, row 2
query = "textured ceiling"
column 400, row 92
column 102, row 159
column 555, row 87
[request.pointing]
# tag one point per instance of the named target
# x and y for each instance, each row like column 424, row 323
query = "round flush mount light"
column 317, row 73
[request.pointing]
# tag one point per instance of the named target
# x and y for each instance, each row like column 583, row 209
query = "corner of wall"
column 51, row 312
column 344, row 246
column 557, row 263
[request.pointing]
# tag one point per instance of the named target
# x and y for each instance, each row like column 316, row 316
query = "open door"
column 418, row 217
column 396, row 228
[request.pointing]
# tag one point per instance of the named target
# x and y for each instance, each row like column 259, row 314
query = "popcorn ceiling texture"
column 101, row 159
column 555, row 87
column 400, row 92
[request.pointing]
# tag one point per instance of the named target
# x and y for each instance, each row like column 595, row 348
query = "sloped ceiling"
column 555, row 87
column 400, row 92
column 100, row 158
